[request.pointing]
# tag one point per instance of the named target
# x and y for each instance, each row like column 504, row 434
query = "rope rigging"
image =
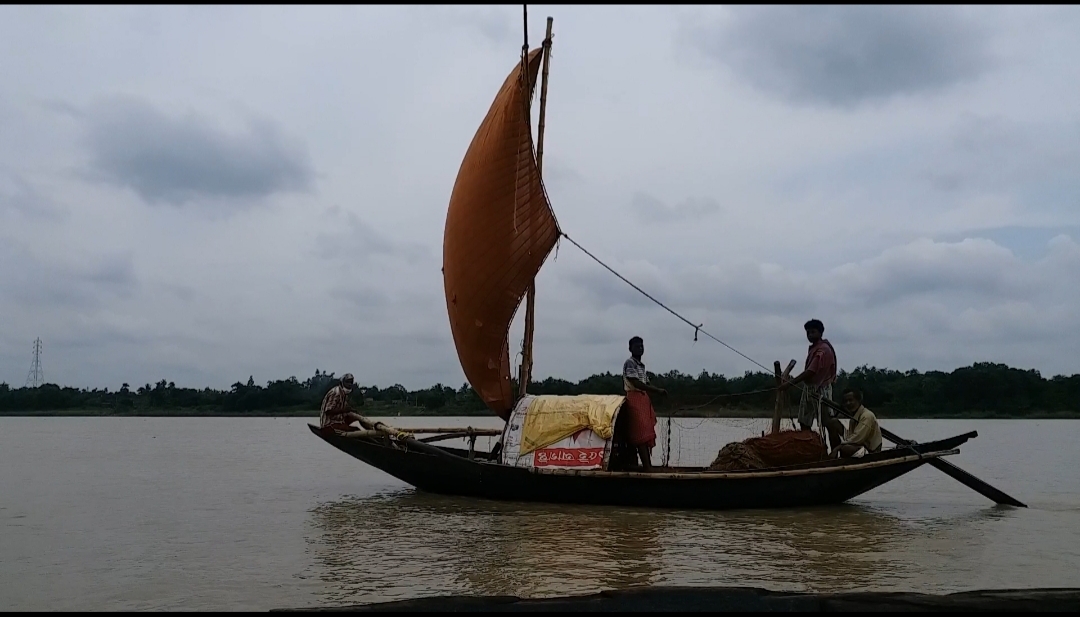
column 697, row 327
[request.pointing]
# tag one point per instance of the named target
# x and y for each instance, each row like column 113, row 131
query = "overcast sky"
column 201, row 194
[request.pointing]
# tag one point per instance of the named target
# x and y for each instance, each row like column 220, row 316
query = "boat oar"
column 961, row 476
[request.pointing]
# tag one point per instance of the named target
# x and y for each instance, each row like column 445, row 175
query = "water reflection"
column 809, row 549
column 410, row 544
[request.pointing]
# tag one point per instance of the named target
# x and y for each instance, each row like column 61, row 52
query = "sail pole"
column 525, row 375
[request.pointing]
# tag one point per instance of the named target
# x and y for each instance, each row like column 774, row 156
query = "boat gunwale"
column 734, row 475
column 775, row 472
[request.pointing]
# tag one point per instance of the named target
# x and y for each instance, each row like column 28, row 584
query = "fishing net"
column 692, row 442
column 774, row 450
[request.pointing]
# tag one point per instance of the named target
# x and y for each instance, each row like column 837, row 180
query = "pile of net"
column 775, row 450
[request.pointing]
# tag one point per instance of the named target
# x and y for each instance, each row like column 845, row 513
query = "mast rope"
column 697, row 327
column 730, row 395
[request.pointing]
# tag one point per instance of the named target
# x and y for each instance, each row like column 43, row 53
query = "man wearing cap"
column 818, row 374
column 336, row 412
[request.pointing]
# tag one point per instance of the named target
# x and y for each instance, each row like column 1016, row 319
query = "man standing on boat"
column 640, row 415
column 336, row 412
column 818, row 374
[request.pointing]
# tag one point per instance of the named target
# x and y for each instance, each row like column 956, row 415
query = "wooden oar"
column 948, row 468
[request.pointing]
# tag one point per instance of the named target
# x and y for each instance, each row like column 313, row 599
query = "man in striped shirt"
column 336, row 412
column 640, row 418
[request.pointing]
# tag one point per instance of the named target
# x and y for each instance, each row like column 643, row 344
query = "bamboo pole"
column 525, row 374
column 480, row 432
column 781, row 397
column 403, row 437
column 448, row 436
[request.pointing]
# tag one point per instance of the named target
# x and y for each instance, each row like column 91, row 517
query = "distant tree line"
column 983, row 388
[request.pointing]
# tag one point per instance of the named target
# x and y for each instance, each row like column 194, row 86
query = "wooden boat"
column 500, row 229
column 455, row 471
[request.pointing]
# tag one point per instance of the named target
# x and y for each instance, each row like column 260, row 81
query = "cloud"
column 82, row 284
column 846, row 55
column 497, row 26
column 973, row 266
column 931, row 305
column 178, row 160
column 19, row 199
column 1037, row 161
column 908, row 175
column 651, row 210
column 354, row 241
column 970, row 275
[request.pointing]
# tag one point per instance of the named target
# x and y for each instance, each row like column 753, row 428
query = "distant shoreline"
column 424, row 413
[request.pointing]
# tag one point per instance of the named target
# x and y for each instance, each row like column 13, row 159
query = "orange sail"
column 499, row 230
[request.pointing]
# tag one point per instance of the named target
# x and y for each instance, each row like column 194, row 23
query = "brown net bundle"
column 775, row 450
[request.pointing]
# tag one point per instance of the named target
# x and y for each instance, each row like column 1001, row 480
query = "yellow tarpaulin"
column 550, row 419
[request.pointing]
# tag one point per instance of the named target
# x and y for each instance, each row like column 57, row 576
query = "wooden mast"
column 525, row 374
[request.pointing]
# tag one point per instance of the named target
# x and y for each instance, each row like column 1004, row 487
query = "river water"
column 252, row 514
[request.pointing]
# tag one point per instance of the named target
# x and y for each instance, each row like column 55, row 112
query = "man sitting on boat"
column 638, row 413
column 336, row 412
column 863, row 434
column 819, row 373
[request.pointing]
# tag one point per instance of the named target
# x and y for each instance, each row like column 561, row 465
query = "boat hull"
column 452, row 473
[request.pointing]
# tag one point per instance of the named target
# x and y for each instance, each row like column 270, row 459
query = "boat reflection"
column 412, row 544
column 409, row 544
column 814, row 549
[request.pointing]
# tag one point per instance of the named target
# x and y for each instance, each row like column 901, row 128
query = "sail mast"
column 525, row 374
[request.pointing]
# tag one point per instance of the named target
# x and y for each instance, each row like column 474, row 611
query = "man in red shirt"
column 818, row 374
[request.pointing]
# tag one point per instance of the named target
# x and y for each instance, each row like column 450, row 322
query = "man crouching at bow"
column 336, row 412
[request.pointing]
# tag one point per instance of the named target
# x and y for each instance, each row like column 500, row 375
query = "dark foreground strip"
column 694, row 599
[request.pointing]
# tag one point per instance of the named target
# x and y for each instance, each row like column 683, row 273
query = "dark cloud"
column 1038, row 163
column 186, row 293
column 103, row 335
column 20, row 199
column 971, row 268
column 83, row 284
column 596, row 333
column 365, row 299
column 652, row 210
column 846, row 55
column 605, row 290
column 183, row 159
column 354, row 240
column 498, row 26
column 957, row 275
column 556, row 174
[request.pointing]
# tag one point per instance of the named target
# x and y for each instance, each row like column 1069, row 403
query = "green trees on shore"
column 983, row 388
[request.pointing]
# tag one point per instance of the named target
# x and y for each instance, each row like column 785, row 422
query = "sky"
column 202, row 194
